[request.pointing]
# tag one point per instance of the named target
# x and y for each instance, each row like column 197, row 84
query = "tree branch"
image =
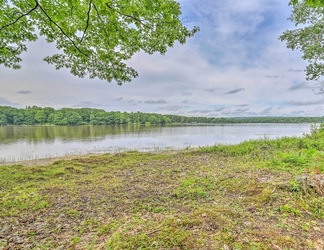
column 95, row 7
column 26, row 14
column 130, row 16
column 100, row 18
column 72, row 10
column 59, row 27
column 88, row 18
column 142, row 22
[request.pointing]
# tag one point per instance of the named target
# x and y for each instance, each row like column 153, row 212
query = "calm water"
column 35, row 142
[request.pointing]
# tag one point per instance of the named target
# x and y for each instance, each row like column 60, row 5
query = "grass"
column 244, row 196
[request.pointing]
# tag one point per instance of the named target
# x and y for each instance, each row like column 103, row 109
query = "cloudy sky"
column 235, row 66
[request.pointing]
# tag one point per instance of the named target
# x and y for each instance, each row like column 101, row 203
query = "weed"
column 295, row 186
column 107, row 228
column 75, row 240
column 317, row 208
column 194, row 187
column 290, row 210
column 31, row 234
column 73, row 213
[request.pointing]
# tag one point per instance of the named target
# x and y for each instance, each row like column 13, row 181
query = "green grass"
column 242, row 196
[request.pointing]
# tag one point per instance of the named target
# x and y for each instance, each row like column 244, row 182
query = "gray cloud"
column 252, row 113
column 236, row 112
column 213, row 115
column 266, row 111
column 234, row 91
column 274, row 77
column 295, row 70
column 133, row 102
column 226, row 112
column 218, row 109
column 86, row 104
column 4, row 101
column 172, row 108
column 193, row 111
column 210, row 90
column 120, row 98
column 305, row 103
column 242, row 105
column 202, row 111
column 241, row 110
column 297, row 86
column 187, row 94
column 24, row 92
column 297, row 112
column 160, row 101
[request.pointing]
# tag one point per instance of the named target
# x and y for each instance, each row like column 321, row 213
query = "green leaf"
column 95, row 37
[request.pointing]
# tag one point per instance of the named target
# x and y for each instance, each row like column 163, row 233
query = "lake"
column 19, row 143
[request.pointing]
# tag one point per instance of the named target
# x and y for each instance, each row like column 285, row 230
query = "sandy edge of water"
column 49, row 161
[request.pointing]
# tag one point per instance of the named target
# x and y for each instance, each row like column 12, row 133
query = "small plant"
column 75, row 240
column 157, row 209
column 107, row 228
column 31, row 234
column 317, row 208
column 72, row 213
column 295, row 186
column 194, row 188
column 290, row 210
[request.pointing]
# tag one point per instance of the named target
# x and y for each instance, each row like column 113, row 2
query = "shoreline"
column 51, row 160
column 47, row 161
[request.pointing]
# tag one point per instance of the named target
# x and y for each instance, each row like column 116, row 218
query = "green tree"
column 85, row 114
column 98, row 117
column 153, row 119
column 3, row 119
column 73, row 118
column 59, row 118
column 19, row 117
column 30, row 115
column 40, row 116
column 95, row 37
column 309, row 38
column 48, row 111
column 50, row 118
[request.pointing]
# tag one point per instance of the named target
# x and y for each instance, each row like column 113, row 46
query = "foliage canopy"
column 311, row 2
column 309, row 38
column 95, row 37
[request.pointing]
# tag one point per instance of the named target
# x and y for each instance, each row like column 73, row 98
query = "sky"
column 234, row 67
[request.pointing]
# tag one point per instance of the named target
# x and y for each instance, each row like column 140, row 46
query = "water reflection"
column 50, row 133
column 30, row 142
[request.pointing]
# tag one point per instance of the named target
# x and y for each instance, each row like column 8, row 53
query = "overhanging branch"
column 59, row 27
column 100, row 18
column 23, row 15
column 130, row 16
column 88, row 18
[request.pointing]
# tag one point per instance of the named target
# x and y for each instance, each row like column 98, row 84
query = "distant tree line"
column 82, row 116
